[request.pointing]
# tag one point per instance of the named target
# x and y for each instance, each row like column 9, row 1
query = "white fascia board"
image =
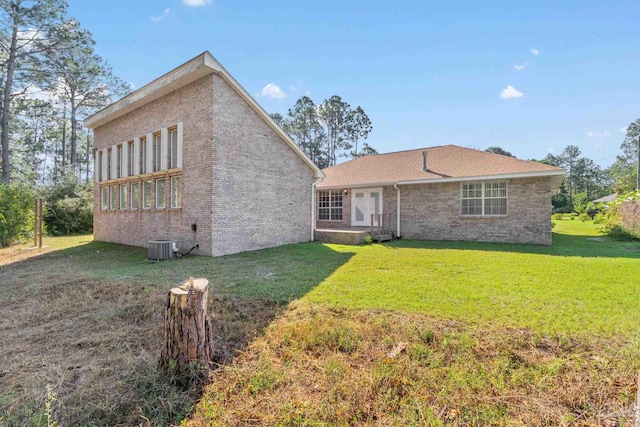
column 559, row 175
column 186, row 73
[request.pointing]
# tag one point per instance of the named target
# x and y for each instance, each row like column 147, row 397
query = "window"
column 112, row 197
column 157, row 152
column 143, row 155
column 124, row 196
column 109, row 163
column 104, row 198
column 119, row 161
column 160, row 193
column 173, row 148
column 176, row 192
column 130, row 155
column 146, row 194
column 487, row 198
column 330, row 205
column 135, row 195
column 98, row 166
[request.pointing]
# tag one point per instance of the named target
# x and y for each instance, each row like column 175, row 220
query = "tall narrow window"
column 98, row 165
column 130, row 155
column 146, row 194
column 143, row 155
column 160, row 193
column 119, row 161
column 157, row 152
column 176, row 192
column 173, row 148
column 104, row 198
column 134, row 196
column 113, row 196
column 124, row 196
column 109, row 165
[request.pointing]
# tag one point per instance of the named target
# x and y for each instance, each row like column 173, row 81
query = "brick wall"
column 192, row 105
column 432, row 211
column 261, row 188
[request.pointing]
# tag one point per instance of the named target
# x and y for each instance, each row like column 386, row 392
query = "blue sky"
column 530, row 77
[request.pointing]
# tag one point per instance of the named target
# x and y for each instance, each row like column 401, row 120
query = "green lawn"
column 495, row 334
column 583, row 283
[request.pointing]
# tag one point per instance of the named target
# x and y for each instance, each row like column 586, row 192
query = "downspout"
column 313, row 208
column 397, row 209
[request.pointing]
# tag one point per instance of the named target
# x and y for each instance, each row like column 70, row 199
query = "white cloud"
column 272, row 90
column 624, row 129
column 598, row 134
column 519, row 67
column 535, row 52
column 196, row 3
column 510, row 92
column 158, row 18
column 550, row 150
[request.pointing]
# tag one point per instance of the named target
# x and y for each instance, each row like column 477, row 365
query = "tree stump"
column 187, row 347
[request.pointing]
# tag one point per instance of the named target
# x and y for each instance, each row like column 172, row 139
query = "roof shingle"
column 443, row 162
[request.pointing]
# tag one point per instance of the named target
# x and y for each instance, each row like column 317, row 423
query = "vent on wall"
column 162, row 249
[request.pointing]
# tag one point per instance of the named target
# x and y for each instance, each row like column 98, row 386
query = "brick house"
column 438, row 193
column 192, row 157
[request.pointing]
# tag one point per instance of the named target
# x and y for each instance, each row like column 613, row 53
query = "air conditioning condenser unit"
column 162, row 249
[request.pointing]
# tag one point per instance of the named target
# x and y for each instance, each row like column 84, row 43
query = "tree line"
column 51, row 78
column 329, row 131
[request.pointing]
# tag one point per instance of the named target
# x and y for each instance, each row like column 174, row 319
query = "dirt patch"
column 95, row 345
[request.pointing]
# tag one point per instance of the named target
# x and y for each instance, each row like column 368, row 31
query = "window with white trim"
column 113, row 195
column 160, row 193
column 119, row 169
column 157, row 152
column 176, row 191
column 104, row 198
column 130, row 155
column 124, row 196
column 134, row 196
column 483, row 198
column 143, row 155
column 173, row 148
column 330, row 205
column 146, row 194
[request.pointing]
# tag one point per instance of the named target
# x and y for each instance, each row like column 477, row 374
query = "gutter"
column 397, row 209
column 313, row 208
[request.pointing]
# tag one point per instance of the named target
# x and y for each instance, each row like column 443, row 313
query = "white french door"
column 364, row 202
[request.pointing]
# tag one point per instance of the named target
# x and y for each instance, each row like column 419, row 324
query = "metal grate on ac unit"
column 162, row 249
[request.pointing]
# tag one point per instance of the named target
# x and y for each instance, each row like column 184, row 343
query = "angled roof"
column 606, row 199
column 444, row 163
column 186, row 73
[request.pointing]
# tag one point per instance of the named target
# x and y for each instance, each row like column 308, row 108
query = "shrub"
column 368, row 239
column 580, row 203
column 69, row 207
column 622, row 221
column 584, row 217
column 557, row 216
column 553, row 224
column 599, row 218
column 16, row 214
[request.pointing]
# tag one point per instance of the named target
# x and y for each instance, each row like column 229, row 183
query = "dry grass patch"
column 95, row 343
column 321, row 366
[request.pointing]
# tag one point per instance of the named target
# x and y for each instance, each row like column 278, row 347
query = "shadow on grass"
column 88, row 321
column 563, row 245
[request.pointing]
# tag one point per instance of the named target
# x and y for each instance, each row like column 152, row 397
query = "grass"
column 494, row 334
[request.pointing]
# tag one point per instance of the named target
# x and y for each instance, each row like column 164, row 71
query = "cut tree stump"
column 187, row 346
